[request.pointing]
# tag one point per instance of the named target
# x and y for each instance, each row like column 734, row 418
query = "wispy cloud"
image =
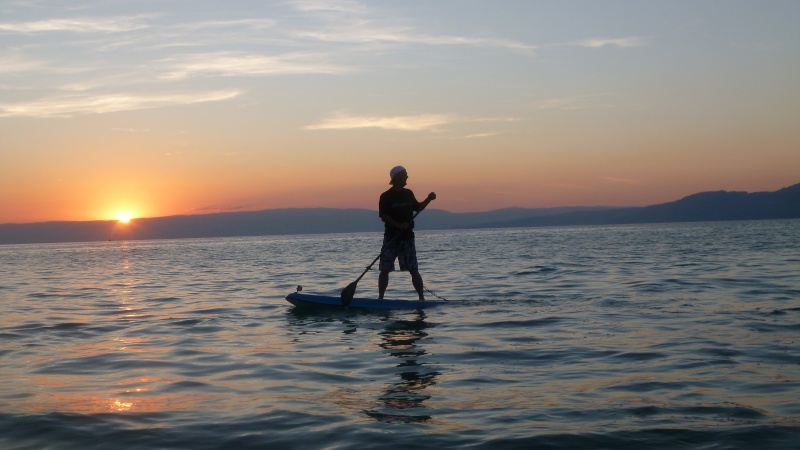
column 240, row 64
column 419, row 122
column 231, row 33
column 365, row 35
column 255, row 23
column 631, row 41
column 78, row 25
column 16, row 64
column 480, row 135
column 350, row 22
column 67, row 106
column 423, row 122
column 344, row 6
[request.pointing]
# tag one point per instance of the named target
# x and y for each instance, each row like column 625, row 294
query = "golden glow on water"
column 70, row 394
column 132, row 344
column 117, row 405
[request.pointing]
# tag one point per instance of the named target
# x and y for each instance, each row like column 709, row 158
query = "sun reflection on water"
column 118, row 405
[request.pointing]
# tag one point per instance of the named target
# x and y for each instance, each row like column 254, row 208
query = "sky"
column 157, row 108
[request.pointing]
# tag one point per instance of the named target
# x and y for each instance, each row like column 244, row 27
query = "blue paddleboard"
column 310, row 300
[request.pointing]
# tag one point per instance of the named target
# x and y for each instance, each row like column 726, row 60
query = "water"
column 653, row 336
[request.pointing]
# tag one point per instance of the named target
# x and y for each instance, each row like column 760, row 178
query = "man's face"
column 401, row 179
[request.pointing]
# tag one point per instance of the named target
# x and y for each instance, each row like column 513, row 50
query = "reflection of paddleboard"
column 316, row 301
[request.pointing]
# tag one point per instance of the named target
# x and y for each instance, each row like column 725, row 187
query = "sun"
column 124, row 217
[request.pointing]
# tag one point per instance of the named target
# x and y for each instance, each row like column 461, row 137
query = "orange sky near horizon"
column 156, row 109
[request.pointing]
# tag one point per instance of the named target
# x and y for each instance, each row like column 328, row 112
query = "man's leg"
column 383, row 282
column 416, row 280
column 388, row 255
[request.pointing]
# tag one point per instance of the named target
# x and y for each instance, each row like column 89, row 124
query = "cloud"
column 480, row 135
column 16, row 64
column 358, row 35
column 67, row 106
column 419, row 122
column 214, row 33
column 424, row 122
column 78, row 25
column 350, row 22
column 342, row 6
column 236, row 23
column 632, row 41
column 238, row 64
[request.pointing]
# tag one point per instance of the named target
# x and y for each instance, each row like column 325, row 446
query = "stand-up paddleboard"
column 316, row 301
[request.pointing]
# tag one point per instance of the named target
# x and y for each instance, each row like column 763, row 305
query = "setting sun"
column 124, row 217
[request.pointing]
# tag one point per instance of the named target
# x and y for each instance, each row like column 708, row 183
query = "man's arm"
column 424, row 204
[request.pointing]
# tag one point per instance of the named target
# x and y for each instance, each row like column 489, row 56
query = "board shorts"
column 403, row 250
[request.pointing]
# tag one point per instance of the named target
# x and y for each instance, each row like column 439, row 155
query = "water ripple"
column 659, row 336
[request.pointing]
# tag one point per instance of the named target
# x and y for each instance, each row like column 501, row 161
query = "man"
column 396, row 208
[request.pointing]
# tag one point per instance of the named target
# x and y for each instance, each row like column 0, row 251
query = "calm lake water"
column 649, row 336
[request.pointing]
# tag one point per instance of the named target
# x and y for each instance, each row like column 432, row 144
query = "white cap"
column 395, row 170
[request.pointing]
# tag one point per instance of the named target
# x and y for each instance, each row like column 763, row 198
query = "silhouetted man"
column 396, row 208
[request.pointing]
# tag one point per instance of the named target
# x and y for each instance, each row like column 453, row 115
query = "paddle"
column 350, row 290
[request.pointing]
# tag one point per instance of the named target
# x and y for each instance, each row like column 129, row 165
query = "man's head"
column 398, row 175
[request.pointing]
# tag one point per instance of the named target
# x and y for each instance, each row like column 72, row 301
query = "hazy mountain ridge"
column 701, row 207
column 704, row 206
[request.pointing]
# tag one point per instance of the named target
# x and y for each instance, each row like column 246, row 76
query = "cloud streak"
column 349, row 22
column 339, row 6
column 423, row 122
column 405, row 36
column 243, row 64
column 16, row 64
column 68, row 106
column 326, row 34
column 78, row 25
column 419, row 122
column 626, row 42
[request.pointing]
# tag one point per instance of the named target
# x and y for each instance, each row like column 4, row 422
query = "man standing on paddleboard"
column 396, row 208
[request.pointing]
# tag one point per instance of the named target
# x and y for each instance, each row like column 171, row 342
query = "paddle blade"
column 348, row 293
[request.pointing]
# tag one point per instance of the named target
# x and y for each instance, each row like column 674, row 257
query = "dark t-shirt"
column 399, row 205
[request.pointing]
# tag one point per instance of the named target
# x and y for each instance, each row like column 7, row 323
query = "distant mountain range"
column 706, row 206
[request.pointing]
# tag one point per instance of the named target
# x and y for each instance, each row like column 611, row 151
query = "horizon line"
column 245, row 211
